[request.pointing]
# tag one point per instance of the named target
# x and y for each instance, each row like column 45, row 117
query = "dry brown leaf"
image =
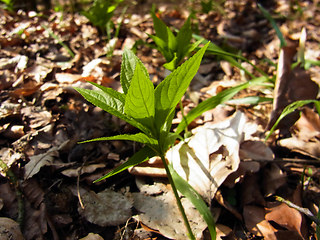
column 106, row 208
column 222, row 231
column 251, row 191
column 67, row 78
column 8, row 197
column 291, row 85
column 26, row 90
column 254, row 218
column 36, row 117
column 255, row 150
column 310, row 148
column 38, row 161
column 152, row 168
column 207, row 158
column 35, row 211
column 308, row 124
column 273, row 178
column 286, row 217
column 92, row 236
column 82, row 170
column 9, row 229
column 243, row 169
column 305, row 139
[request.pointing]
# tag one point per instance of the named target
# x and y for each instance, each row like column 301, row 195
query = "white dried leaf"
column 161, row 213
column 210, row 155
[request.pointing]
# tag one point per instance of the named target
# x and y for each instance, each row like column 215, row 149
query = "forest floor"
column 46, row 177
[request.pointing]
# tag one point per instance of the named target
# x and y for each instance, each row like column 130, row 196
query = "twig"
column 286, row 160
column 78, row 187
column 305, row 211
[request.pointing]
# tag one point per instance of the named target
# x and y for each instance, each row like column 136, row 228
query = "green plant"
column 210, row 5
column 100, row 14
column 173, row 48
column 151, row 110
column 9, row 4
column 59, row 41
column 290, row 109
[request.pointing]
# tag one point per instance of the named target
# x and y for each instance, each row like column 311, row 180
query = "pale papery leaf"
column 207, row 158
column 161, row 213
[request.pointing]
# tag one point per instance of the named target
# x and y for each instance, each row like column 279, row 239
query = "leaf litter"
column 42, row 119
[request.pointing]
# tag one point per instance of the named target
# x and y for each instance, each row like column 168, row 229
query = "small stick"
column 305, row 211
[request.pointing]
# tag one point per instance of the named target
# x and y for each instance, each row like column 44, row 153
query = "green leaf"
column 184, row 37
column 229, row 57
column 160, row 27
column 110, row 101
column 139, row 157
column 214, row 101
column 170, row 91
column 140, row 98
column 171, row 41
column 267, row 15
column 139, row 137
column 195, row 198
column 172, row 65
column 129, row 61
column 162, row 46
column 251, row 100
column 291, row 108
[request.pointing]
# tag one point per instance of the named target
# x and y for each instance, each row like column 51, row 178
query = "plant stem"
column 175, row 191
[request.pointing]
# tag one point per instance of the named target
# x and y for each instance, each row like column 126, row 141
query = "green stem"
column 175, row 191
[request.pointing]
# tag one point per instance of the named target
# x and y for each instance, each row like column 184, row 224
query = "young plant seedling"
column 151, row 110
column 100, row 14
column 173, row 48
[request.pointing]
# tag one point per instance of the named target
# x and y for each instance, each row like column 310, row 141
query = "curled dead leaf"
column 207, row 158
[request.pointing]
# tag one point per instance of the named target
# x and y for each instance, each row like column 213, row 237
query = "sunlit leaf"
column 139, row 102
column 170, row 91
column 214, row 101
